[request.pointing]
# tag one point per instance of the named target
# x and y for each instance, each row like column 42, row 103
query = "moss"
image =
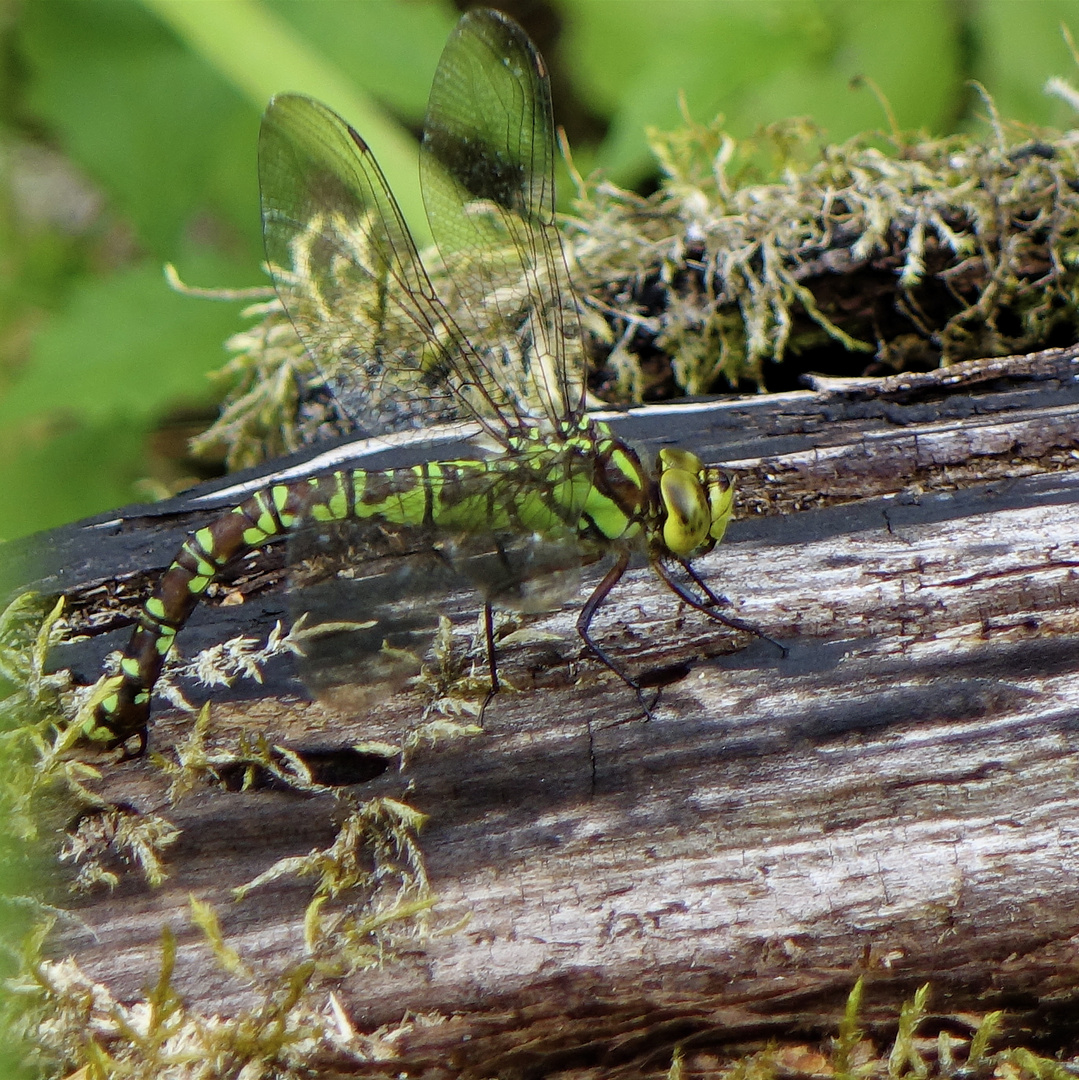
column 84, row 1026
column 42, row 718
column 851, row 1055
column 263, row 382
column 114, row 835
column 914, row 252
column 286, row 1037
column 371, row 882
column 371, row 892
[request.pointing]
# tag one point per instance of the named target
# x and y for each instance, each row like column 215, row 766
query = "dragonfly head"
column 696, row 502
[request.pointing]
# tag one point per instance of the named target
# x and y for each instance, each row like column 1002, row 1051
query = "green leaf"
column 164, row 134
column 261, row 55
column 73, row 426
column 389, row 48
column 634, row 58
column 761, row 61
column 908, row 48
column 1019, row 47
column 125, row 344
column 55, row 474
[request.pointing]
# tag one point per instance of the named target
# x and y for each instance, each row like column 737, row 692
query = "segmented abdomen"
column 465, row 496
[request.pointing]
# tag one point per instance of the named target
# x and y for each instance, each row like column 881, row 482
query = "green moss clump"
column 910, row 252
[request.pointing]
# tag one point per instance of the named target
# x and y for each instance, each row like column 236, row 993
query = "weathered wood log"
column 893, row 796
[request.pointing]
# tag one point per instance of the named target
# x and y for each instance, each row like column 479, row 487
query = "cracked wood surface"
column 895, row 796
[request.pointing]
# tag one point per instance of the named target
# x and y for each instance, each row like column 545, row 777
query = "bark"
column 892, row 795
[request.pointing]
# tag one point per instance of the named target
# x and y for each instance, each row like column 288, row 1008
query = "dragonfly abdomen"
column 201, row 558
column 467, row 496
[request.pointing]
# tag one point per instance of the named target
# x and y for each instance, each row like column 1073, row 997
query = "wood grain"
column 893, row 796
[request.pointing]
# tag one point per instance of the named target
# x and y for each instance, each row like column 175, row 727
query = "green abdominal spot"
column 475, row 514
column 403, row 508
column 535, row 515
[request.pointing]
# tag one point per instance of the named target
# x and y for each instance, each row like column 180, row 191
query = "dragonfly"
column 508, row 358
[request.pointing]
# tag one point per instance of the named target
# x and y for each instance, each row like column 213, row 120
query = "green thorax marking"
column 535, row 488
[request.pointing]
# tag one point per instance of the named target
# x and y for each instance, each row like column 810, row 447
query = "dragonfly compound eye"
column 720, row 490
column 688, row 514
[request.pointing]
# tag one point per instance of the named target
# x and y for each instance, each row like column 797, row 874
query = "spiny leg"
column 492, row 660
column 584, row 622
column 710, row 605
column 489, row 631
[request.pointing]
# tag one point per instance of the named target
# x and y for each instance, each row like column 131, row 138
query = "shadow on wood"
column 895, row 797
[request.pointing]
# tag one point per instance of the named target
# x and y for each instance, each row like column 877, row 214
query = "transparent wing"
column 370, row 617
column 487, row 173
column 373, row 589
column 347, row 271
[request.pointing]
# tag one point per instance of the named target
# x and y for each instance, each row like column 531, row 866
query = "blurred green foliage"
column 128, row 134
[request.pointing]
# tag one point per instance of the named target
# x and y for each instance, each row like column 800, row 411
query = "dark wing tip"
column 497, row 21
column 503, row 35
column 358, row 139
column 280, row 105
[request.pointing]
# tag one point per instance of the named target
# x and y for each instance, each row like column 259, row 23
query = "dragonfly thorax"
column 694, row 504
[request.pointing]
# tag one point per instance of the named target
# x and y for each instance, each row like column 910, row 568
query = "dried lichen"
column 896, row 254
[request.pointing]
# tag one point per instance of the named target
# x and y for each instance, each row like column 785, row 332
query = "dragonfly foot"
column 756, row 631
column 486, row 701
column 123, row 744
column 647, row 706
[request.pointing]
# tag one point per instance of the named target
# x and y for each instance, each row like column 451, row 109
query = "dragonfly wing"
column 372, row 590
column 370, row 601
column 487, row 173
column 348, row 273
column 371, row 620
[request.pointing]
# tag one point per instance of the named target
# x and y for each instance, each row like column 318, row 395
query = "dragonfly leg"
column 584, row 622
column 129, row 752
column 489, row 631
column 712, row 602
column 492, row 660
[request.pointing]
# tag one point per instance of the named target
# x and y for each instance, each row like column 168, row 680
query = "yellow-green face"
column 697, row 500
